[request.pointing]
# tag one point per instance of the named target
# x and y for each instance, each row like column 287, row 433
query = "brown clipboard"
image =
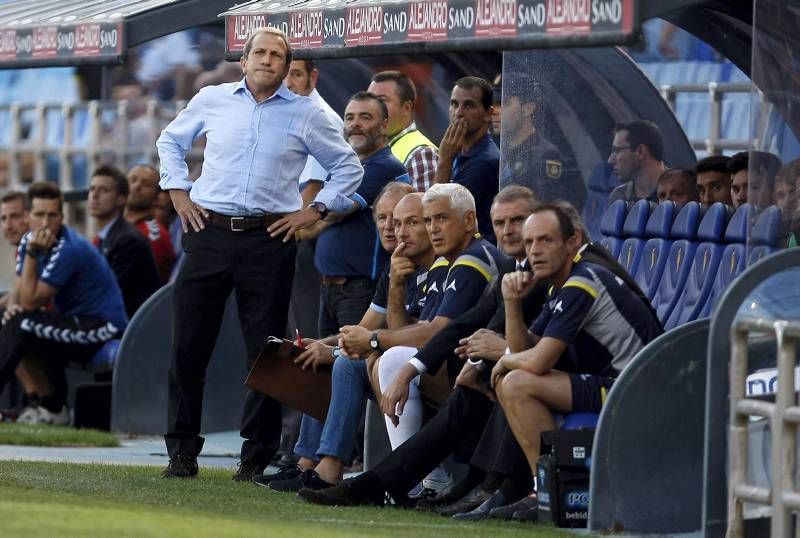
column 275, row 374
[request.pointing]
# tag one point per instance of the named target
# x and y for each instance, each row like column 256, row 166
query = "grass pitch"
column 47, row 499
column 42, row 435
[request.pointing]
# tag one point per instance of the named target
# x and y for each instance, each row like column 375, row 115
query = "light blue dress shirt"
column 255, row 152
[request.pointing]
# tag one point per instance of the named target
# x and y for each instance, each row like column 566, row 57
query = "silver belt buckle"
column 234, row 227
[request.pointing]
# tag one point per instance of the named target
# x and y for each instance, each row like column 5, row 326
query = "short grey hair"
column 457, row 195
column 271, row 31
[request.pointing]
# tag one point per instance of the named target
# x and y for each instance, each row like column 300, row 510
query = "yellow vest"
column 403, row 146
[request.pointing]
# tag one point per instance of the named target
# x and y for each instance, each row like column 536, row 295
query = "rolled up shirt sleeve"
column 326, row 144
column 175, row 142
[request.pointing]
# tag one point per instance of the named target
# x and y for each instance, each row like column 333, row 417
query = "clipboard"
column 275, row 374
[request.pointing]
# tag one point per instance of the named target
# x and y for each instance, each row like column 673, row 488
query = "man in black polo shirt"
column 468, row 155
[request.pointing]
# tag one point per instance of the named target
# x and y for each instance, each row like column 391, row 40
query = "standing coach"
column 239, row 218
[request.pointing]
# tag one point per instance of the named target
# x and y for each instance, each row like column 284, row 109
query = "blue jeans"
column 337, row 438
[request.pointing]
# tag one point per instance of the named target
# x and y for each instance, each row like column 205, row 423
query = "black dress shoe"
column 482, row 512
column 456, row 493
column 469, row 502
column 306, row 480
column 180, row 466
column 508, row 511
column 284, row 473
column 247, row 470
column 347, row 493
column 530, row 515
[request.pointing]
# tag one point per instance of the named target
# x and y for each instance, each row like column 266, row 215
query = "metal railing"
column 783, row 417
column 51, row 140
column 713, row 144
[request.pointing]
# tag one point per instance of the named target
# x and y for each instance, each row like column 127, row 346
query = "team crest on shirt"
column 553, row 169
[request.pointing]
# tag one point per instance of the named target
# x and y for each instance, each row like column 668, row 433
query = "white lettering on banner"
column 45, row 38
column 108, row 39
column 87, row 36
column 8, row 42
column 606, row 11
column 461, row 18
column 334, row 27
column 364, row 20
column 531, row 16
column 427, row 16
column 66, row 41
column 395, row 22
column 305, row 26
column 24, row 44
column 568, row 12
column 496, row 12
column 243, row 25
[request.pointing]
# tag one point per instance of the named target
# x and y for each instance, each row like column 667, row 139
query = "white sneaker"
column 40, row 415
column 438, row 481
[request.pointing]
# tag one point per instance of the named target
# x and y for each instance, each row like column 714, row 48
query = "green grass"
column 46, row 499
column 34, row 435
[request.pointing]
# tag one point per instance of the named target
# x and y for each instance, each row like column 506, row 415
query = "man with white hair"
column 464, row 266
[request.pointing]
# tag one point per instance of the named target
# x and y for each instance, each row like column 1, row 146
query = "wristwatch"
column 320, row 208
column 373, row 341
column 336, row 352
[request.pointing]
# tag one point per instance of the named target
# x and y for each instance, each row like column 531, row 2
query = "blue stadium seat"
column 766, row 235
column 652, row 254
column 695, row 293
column 601, row 182
column 732, row 262
column 635, row 230
column 679, row 260
column 611, row 227
column 103, row 360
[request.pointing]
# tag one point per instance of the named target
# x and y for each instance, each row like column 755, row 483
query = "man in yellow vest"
column 419, row 155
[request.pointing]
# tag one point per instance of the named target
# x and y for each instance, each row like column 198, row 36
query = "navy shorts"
column 589, row 392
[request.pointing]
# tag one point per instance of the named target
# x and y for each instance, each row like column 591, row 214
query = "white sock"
column 411, row 420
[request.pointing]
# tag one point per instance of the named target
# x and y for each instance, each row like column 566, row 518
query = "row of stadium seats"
column 683, row 258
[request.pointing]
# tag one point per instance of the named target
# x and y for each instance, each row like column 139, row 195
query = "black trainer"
column 180, row 466
column 286, row 472
column 347, row 493
column 247, row 471
column 308, row 479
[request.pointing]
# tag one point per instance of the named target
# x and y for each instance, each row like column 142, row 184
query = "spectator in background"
column 14, row 220
column 55, row 264
column 127, row 251
column 756, row 189
column 677, row 185
column 637, row 157
column 408, row 144
column 467, row 154
column 713, row 180
column 167, row 65
column 785, row 192
column 139, row 211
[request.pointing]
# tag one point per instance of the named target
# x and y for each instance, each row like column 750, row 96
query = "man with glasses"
column 637, row 157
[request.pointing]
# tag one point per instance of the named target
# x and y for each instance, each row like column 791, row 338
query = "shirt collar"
column 282, row 91
column 104, row 232
column 479, row 147
column 404, row 132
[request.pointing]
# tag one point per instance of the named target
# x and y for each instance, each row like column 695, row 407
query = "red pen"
column 299, row 338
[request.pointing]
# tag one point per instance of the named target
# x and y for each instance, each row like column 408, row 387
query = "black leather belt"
column 243, row 224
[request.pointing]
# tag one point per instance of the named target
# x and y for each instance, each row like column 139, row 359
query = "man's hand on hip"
column 189, row 212
column 293, row 222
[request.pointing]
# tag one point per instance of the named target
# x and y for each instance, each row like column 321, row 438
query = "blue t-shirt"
column 86, row 285
column 415, row 292
column 351, row 247
column 452, row 289
column 479, row 171
column 602, row 320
